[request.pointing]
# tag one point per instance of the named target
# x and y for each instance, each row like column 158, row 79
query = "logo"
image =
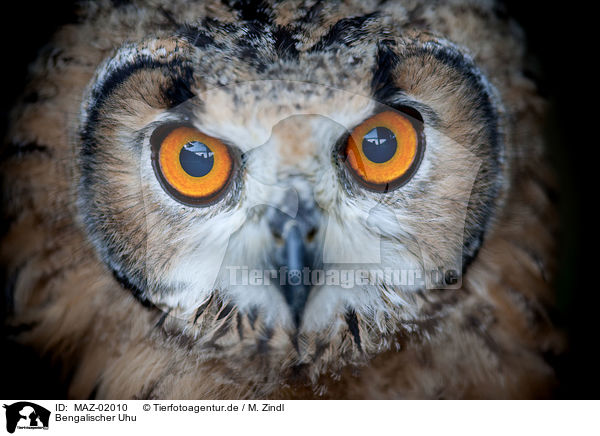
column 26, row 415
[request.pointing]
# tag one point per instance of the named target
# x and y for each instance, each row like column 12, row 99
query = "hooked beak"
column 295, row 255
column 294, row 287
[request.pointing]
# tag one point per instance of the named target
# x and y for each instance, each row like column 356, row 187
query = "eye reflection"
column 379, row 145
column 196, row 159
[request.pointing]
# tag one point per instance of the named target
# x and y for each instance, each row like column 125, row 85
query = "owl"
column 283, row 199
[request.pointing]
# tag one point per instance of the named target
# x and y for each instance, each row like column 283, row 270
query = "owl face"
column 298, row 182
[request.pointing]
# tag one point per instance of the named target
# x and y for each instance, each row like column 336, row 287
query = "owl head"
column 311, row 183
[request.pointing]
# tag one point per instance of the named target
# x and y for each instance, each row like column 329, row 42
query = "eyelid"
column 163, row 130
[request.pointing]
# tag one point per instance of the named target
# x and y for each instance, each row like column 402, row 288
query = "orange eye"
column 193, row 167
column 384, row 151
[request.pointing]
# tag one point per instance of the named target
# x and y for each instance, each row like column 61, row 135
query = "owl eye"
column 384, row 151
column 193, row 167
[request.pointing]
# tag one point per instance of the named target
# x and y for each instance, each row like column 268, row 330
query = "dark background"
column 561, row 54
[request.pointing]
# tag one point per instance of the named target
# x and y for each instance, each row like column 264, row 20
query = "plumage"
column 133, row 287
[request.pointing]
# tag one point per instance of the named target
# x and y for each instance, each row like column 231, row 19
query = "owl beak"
column 294, row 254
column 294, row 288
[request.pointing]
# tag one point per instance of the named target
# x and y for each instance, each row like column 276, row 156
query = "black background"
column 562, row 51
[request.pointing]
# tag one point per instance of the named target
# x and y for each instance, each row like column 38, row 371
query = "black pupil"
column 379, row 145
column 196, row 159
